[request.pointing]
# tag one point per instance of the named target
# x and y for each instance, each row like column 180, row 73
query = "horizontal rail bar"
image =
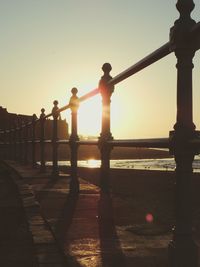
column 29, row 141
column 195, row 29
column 64, row 108
column 63, row 142
column 47, row 116
column 47, row 141
column 143, row 63
column 81, row 99
column 90, row 94
column 148, row 143
column 32, row 142
column 195, row 142
column 88, row 142
column 195, row 33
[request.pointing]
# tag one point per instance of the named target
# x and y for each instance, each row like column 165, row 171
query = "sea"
column 164, row 164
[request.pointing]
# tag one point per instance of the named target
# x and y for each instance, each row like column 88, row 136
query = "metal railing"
column 183, row 141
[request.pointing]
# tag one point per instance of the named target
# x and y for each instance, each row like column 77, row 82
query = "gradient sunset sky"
column 50, row 46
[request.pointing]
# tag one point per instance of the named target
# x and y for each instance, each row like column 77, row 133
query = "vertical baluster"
column 55, row 114
column 33, row 140
column 105, row 149
column 1, row 140
column 5, row 145
column 26, row 142
column 74, row 105
column 15, row 141
column 10, row 142
column 42, row 139
column 20, row 141
column 183, row 250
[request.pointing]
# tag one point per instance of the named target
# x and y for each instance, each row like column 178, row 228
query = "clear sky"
column 50, row 46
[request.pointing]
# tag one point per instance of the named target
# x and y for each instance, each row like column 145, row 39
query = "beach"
column 86, row 152
column 147, row 192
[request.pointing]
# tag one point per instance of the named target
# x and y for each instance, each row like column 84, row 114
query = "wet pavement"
column 86, row 230
column 16, row 244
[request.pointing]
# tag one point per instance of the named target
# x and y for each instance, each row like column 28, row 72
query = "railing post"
column 23, row 141
column 74, row 105
column 42, row 138
column 15, row 141
column 20, row 141
column 10, row 142
column 105, row 136
column 55, row 114
column 33, row 140
column 1, row 140
column 182, row 249
column 26, row 142
column 5, row 145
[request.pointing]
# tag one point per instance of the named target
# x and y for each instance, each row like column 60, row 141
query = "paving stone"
column 43, row 238
column 30, row 202
column 51, row 265
column 16, row 245
column 53, row 257
column 90, row 228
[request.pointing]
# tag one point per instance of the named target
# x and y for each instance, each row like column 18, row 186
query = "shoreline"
column 92, row 152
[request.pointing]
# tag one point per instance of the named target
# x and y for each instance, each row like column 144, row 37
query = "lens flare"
column 149, row 218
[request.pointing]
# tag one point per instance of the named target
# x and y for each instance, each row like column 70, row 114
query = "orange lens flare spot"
column 149, row 218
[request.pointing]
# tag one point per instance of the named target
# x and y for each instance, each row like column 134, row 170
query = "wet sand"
column 147, row 192
column 92, row 152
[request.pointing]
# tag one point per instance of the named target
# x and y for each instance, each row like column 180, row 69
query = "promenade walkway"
column 88, row 230
column 16, row 244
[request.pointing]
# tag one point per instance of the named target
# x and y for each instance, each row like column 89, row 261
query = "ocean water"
column 165, row 164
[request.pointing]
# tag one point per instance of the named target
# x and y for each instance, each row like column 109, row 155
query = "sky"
column 49, row 46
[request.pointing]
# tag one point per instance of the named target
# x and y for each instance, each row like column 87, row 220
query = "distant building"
column 63, row 132
column 10, row 120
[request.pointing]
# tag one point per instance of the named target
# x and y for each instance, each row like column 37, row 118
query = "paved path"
column 16, row 244
column 92, row 229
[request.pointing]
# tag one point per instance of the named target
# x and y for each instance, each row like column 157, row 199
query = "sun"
column 92, row 163
column 89, row 117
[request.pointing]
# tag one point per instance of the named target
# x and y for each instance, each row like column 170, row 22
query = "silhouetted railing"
column 183, row 142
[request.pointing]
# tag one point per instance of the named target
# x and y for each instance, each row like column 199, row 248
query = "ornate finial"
column 42, row 115
column 55, row 102
column 183, row 25
column 185, row 7
column 55, row 112
column 34, row 117
column 74, row 91
column 106, row 69
column 103, row 84
column 74, row 100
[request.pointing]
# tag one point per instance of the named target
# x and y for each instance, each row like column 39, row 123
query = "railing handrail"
column 153, row 57
column 143, row 63
column 140, row 65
